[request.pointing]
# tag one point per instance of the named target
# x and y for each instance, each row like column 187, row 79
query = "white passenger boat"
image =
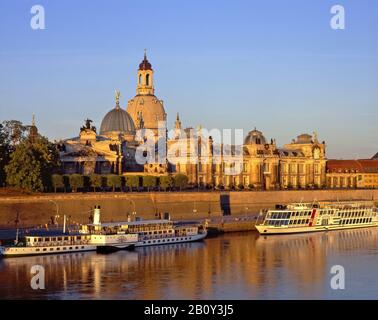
column 44, row 242
column 150, row 232
column 319, row 216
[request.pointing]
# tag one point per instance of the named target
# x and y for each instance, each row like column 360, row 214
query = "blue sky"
column 275, row 65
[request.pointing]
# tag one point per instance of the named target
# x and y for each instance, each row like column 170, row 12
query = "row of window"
column 354, row 221
column 157, row 232
column 53, row 239
column 278, row 223
column 287, row 215
column 352, row 214
column 166, row 240
column 149, row 228
column 58, row 249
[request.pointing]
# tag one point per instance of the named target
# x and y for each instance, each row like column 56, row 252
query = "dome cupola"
column 255, row 137
column 117, row 121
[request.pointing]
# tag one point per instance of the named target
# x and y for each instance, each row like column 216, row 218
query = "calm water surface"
column 233, row 266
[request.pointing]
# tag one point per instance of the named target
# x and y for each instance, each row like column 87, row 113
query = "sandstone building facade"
column 126, row 133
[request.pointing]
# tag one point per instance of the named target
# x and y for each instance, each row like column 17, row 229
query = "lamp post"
column 133, row 203
column 57, row 211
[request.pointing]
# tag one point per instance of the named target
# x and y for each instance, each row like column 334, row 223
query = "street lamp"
column 57, row 212
column 133, row 203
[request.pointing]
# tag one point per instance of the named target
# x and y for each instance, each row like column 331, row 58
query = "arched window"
column 140, row 79
column 147, row 80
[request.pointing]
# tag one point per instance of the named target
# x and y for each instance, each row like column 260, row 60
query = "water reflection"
column 235, row 266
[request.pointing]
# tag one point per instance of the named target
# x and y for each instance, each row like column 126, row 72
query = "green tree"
column 114, row 181
column 15, row 132
column 57, row 181
column 240, row 186
column 31, row 165
column 95, row 181
column 180, row 181
column 149, row 182
column 165, row 182
column 132, row 182
column 76, row 181
column 5, row 150
column 66, row 181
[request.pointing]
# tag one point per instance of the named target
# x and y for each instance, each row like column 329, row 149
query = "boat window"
column 66, row 238
column 37, row 250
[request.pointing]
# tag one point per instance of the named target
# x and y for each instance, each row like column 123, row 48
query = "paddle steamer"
column 151, row 232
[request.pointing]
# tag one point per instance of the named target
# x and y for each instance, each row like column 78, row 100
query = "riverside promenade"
column 32, row 210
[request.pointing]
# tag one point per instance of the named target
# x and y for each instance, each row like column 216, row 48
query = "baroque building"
column 258, row 163
column 134, row 140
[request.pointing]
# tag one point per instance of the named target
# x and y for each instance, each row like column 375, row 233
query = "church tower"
column 145, row 105
column 145, row 78
column 33, row 131
column 177, row 131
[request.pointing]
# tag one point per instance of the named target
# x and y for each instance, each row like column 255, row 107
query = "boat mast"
column 16, row 241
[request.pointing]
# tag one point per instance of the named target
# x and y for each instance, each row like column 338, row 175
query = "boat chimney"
column 64, row 223
column 97, row 215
